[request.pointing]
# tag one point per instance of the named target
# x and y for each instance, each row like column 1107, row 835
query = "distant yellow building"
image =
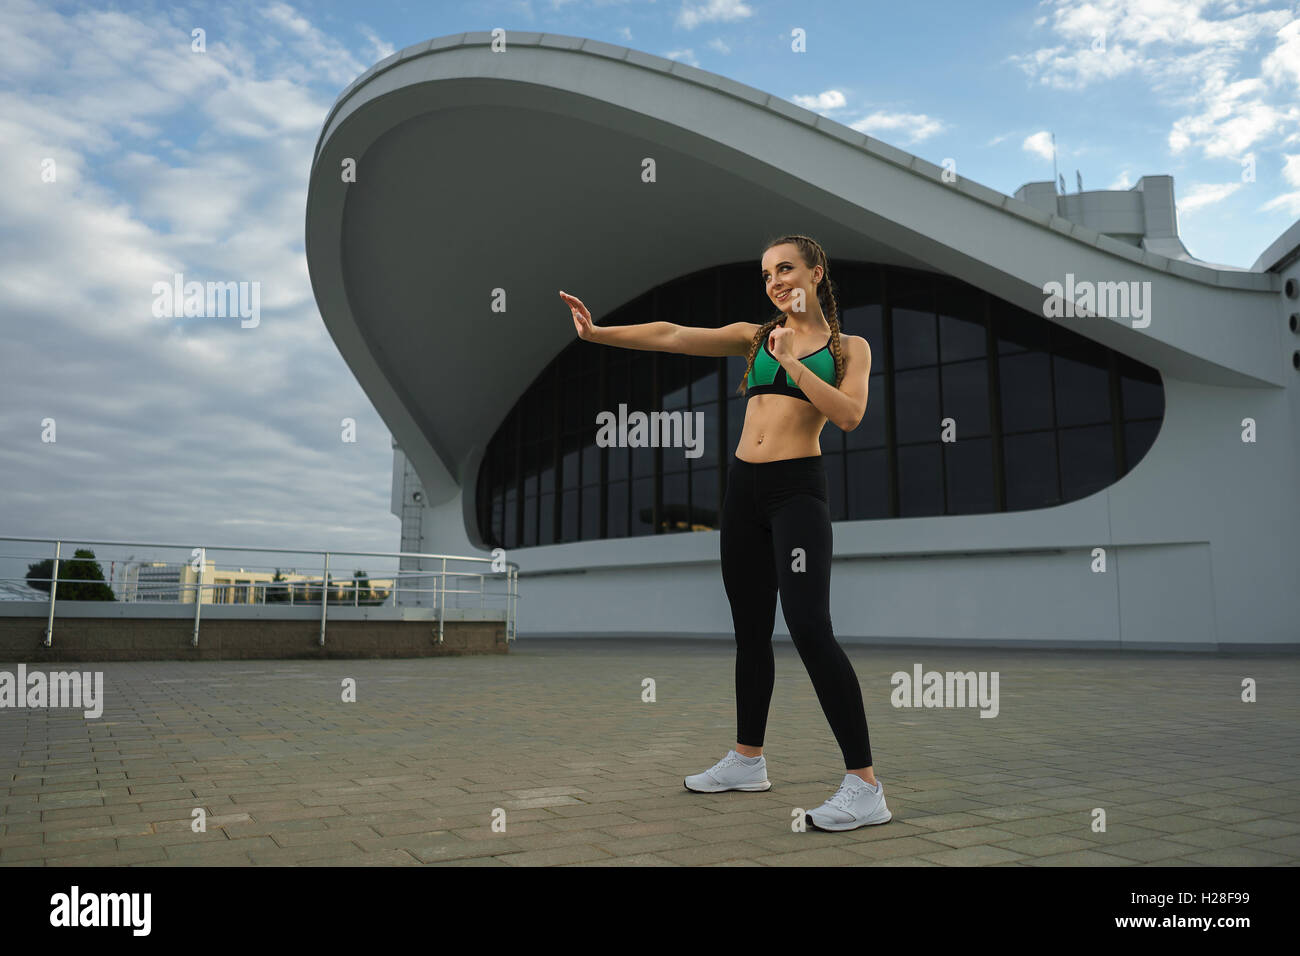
column 160, row 581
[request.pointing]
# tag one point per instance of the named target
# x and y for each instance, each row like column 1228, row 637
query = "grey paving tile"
column 1237, row 856
column 289, row 778
column 1080, row 858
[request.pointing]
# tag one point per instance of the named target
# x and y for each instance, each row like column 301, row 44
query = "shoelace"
column 845, row 795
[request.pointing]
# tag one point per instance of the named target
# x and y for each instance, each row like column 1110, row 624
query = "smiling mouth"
column 783, row 296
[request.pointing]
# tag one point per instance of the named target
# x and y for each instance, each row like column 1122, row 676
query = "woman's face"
column 784, row 271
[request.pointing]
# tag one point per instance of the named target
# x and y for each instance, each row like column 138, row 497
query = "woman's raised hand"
column 781, row 342
column 581, row 317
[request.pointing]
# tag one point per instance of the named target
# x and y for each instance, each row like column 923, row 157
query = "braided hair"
column 813, row 256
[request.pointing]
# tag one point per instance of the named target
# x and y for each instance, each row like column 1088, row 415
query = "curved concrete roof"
column 522, row 171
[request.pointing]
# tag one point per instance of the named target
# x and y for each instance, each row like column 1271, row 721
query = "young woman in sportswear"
column 776, row 528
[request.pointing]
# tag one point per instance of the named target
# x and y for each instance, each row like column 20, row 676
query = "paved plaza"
column 556, row 738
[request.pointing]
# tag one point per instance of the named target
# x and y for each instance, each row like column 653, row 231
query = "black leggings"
column 770, row 510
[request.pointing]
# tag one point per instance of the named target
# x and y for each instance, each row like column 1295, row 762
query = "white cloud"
column 717, row 43
column 378, row 49
column 1121, row 181
column 826, row 100
column 1287, row 202
column 1282, row 66
column 912, row 127
column 1233, row 117
column 695, row 12
column 685, row 56
column 169, row 161
column 1195, row 52
column 1040, row 144
column 1291, row 168
column 1205, row 194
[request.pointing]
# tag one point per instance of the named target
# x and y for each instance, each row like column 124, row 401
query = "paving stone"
column 1144, row 851
column 973, row 856
column 556, row 856
column 1213, row 839
column 643, row 859
column 289, row 778
column 1080, row 858
column 970, row 836
column 1237, row 856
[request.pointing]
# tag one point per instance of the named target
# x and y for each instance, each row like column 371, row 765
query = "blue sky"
column 169, row 161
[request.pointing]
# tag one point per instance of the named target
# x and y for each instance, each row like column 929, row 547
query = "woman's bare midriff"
column 779, row 427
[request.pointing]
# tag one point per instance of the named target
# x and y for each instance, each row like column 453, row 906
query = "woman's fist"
column 780, row 341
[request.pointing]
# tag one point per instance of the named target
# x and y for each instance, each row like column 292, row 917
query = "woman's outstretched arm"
column 731, row 339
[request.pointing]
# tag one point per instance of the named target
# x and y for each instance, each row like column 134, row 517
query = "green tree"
column 80, row 579
column 280, row 594
column 39, row 574
column 364, row 593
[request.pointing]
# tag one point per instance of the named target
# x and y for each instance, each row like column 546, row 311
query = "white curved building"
column 1124, row 473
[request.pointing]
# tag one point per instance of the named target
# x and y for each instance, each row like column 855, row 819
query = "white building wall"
column 1200, row 540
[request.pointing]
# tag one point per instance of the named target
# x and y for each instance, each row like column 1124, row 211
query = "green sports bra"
column 763, row 378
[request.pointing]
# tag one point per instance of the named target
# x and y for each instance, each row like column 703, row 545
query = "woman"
column 776, row 527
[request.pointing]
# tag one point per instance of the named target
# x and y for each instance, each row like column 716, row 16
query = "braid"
column 813, row 256
column 831, row 309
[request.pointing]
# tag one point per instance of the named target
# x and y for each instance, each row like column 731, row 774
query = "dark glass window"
column 1138, row 439
column 1087, row 460
column 676, row 505
column 643, row 506
column 590, row 512
column 618, row 462
column 1082, row 383
column 704, row 498
column 834, row 464
column 735, row 424
column 1043, row 417
column 546, row 511
column 916, row 393
column 1142, row 394
column 1016, row 330
column 618, row 504
column 1026, row 391
column 868, row 488
column 870, row 432
column 529, row 536
column 1031, row 471
column 966, row 397
column 569, row 515
column 968, row 466
column 590, row 460
column 961, row 325
column 916, row 340
column 704, row 380
column 920, row 480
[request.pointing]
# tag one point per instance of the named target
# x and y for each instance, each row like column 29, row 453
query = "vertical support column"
column 324, row 597
column 54, row 586
column 198, row 595
column 442, row 598
column 512, row 589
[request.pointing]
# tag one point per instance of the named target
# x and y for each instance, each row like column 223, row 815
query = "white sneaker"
column 854, row 805
column 730, row 773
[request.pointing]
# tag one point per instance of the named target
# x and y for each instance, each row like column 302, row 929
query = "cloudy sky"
column 127, row 158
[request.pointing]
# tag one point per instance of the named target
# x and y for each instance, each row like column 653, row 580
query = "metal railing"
column 404, row 581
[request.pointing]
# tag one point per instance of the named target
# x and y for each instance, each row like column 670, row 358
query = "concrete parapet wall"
column 152, row 639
